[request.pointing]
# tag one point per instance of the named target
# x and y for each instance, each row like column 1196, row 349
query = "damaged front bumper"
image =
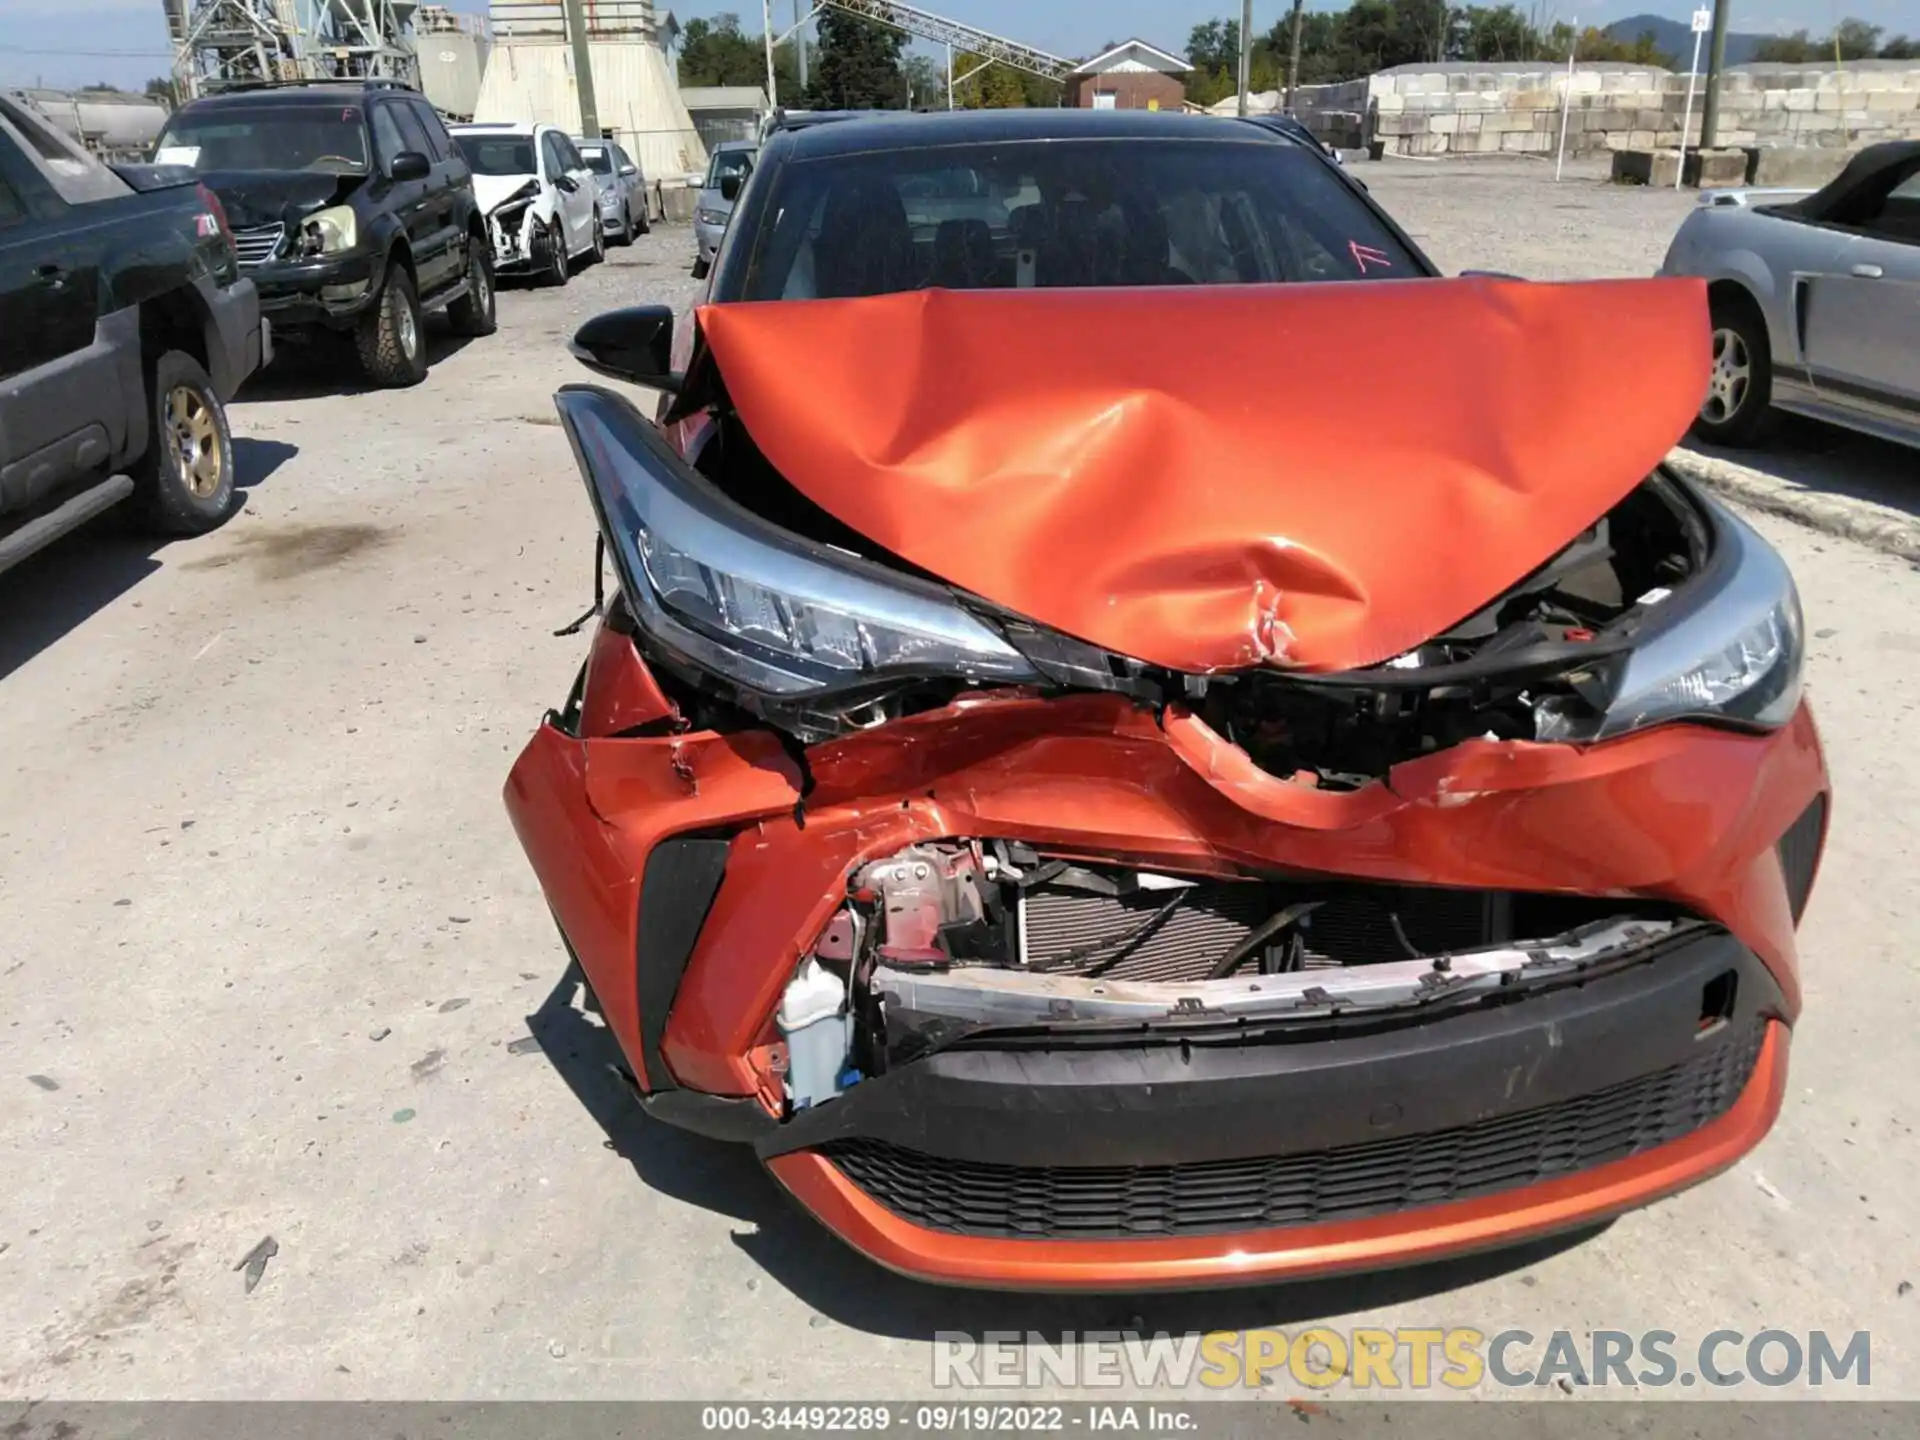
column 1063, row 1130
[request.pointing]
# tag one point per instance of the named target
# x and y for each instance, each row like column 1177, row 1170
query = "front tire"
column 1736, row 410
column 700, row 267
column 184, row 480
column 474, row 312
column 556, row 270
column 599, row 250
column 390, row 338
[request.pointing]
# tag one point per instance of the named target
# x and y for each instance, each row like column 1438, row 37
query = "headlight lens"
column 710, row 217
column 329, row 231
column 766, row 609
column 1730, row 649
column 528, row 191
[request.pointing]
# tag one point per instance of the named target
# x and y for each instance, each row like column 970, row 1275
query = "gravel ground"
column 269, row 944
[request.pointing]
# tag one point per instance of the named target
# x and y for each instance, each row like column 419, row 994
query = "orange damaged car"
column 1141, row 737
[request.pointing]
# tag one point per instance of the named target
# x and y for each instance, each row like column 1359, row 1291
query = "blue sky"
column 73, row 42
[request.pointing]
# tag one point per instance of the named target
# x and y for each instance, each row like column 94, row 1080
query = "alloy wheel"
column 196, row 439
column 1730, row 378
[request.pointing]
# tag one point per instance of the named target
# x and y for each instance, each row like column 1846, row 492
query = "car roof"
column 499, row 127
column 319, row 93
column 904, row 129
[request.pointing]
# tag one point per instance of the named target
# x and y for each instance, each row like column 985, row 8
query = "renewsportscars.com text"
column 1408, row 1358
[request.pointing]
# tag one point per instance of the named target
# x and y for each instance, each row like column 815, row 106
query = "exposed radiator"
column 1211, row 919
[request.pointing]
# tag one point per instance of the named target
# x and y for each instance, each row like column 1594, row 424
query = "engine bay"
column 987, row 941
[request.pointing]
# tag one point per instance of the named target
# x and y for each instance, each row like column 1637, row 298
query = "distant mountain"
column 1676, row 38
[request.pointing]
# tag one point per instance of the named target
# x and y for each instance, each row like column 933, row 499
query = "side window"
column 413, row 135
column 1899, row 217
column 570, row 157
column 439, row 143
column 387, row 141
column 550, row 155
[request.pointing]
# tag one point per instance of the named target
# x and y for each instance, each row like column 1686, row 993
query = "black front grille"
column 1373, row 1178
column 258, row 245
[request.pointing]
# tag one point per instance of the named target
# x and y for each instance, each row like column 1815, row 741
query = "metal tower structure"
column 924, row 25
column 221, row 44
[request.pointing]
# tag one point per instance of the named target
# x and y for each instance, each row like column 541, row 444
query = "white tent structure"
column 530, row 77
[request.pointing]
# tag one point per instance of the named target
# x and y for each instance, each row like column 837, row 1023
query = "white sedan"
column 537, row 194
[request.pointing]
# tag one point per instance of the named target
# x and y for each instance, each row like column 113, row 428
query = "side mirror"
column 566, row 183
column 730, row 188
column 629, row 169
column 634, row 344
column 409, row 165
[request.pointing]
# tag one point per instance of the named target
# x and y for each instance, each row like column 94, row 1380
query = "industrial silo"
column 452, row 49
column 530, row 76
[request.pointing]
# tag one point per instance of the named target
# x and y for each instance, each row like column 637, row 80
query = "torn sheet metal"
column 1207, row 478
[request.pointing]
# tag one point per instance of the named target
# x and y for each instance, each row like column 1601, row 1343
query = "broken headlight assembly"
column 1726, row 647
column 777, row 615
column 329, row 232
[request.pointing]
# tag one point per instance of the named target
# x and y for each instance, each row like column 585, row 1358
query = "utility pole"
column 583, row 68
column 800, row 43
column 1246, row 52
column 1293, row 57
column 766, row 33
column 1716, row 59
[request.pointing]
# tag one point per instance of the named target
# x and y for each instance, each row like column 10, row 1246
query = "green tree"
column 161, row 89
column 926, row 82
column 995, row 87
column 1794, row 49
column 1900, row 48
column 857, row 65
column 719, row 52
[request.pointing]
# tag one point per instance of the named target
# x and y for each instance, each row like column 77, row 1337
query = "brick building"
column 1131, row 76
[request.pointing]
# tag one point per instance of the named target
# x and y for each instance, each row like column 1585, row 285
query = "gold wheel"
column 196, row 440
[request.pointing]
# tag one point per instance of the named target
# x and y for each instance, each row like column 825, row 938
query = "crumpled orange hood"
column 1207, row 478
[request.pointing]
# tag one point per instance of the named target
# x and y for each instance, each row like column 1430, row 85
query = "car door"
column 1861, row 321
column 61, row 407
column 578, row 202
column 441, row 256
column 408, row 200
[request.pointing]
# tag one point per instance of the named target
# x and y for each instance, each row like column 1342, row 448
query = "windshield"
column 728, row 162
column 598, row 161
column 1066, row 213
column 498, row 154
column 282, row 138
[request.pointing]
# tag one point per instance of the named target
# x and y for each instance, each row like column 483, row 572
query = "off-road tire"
column 474, row 312
column 390, row 337
column 183, row 482
column 1737, row 408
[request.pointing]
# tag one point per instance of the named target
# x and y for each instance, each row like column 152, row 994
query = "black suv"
column 352, row 210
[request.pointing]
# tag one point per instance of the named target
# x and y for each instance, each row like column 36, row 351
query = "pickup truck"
column 125, row 326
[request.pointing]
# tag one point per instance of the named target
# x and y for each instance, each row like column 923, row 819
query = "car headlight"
column 329, row 231
column 1726, row 647
column 528, row 191
column 710, row 217
column 774, row 613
